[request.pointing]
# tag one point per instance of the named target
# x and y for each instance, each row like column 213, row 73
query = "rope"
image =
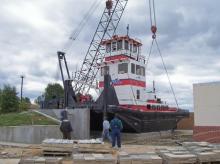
column 151, row 47
column 152, row 5
column 155, row 22
column 150, row 13
column 165, row 68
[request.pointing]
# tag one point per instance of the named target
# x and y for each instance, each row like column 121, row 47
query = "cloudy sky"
column 31, row 31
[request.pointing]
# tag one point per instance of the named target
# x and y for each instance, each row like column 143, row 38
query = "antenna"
column 154, row 89
column 127, row 30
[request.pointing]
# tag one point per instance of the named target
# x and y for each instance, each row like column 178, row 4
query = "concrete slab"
column 9, row 161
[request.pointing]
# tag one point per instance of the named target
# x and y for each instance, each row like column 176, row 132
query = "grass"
column 25, row 118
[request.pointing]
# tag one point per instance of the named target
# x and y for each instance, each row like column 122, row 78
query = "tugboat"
column 123, row 89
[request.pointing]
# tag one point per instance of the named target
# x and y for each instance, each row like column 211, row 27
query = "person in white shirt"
column 105, row 132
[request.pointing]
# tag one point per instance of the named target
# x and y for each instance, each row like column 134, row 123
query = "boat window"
column 131, row 48
column 148, row 106
column 114, row 46
column 133, row 68
column 134, row 48
column 108, row 47
column 119, row 45
column 138, row 70
column 138, row 94
column 126, row 45
column 142, row 69
column 153, row 107
column 104, row 70
column 123, row 68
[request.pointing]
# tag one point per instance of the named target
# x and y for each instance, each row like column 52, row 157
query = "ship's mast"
column 106, row 29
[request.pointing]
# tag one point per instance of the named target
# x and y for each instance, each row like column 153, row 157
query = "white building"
column 207, row 111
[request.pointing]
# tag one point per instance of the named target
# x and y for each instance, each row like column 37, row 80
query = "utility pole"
column 22, row 80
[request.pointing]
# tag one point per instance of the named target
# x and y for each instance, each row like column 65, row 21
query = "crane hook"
column 153, row 30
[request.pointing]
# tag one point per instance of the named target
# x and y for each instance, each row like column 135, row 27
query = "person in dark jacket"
column 116, row 127
column 63, row 114
column 65, row 126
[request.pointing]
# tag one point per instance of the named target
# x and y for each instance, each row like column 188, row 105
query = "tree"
column 27, row 100
column 53, row 91
column 38, row 100
column 0, row 98
column 9, row 99
column 25, row 104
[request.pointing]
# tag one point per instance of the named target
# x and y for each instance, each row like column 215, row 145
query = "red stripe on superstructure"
column 145, row 109
column 152, row 101
column 126, row 82
column 116, row 57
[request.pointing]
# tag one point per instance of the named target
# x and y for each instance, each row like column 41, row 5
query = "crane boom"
column 106, row 29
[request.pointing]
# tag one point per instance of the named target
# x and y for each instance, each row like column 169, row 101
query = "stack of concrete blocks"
column 191, row 152
column 146, row 158
column 41, row 160
column 204, row 151
column 177, row 155
column 94, row 159
column 172, row 158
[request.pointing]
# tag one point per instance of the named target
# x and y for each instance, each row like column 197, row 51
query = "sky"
column 32, row 31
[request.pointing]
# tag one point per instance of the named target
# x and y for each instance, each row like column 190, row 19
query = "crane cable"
column 76, row 32
column 154, row 40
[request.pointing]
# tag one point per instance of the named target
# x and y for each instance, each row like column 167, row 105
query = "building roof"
column 125, row 37
column 207, row 83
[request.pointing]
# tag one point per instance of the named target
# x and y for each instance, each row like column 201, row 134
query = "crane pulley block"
column 109, row 4
column 153, row 30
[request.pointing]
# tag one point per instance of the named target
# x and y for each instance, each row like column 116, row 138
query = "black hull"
column 140, row 122
column 133, row 121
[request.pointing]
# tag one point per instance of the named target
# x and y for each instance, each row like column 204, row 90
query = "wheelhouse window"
column 108, row 47
column 135, row 48
column 138, row 70
column 131, row 48
column 119, row 45
column 138, row 94
column 126, row 45
column 142, row 71
column 123, row 68
column 133, row 68
column 104, row 70
column 114, row 46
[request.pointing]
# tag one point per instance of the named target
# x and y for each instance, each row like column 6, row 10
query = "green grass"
column 25, row 118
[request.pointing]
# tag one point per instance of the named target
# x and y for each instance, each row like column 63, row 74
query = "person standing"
column 63, row 114
column 116, row 127
column 65, row 126
column 105, row 131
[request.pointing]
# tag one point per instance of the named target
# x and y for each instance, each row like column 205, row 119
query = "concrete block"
column 53, row 160
column 79, row 118
column 40, row 160
column 9, row 161
column 27, row 161
column 94, row 159
column 125, row 160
